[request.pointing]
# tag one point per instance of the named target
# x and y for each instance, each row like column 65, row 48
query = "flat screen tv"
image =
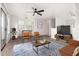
column 64, row 30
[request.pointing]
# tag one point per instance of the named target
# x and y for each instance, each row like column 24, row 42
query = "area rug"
column 26, row 49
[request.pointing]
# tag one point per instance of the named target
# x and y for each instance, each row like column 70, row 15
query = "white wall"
column 76, row 28
column 41, row 23
column 20, row 24
column 38, row 24
column 63, row 16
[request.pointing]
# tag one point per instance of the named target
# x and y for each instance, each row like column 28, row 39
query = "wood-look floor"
column 7, row 51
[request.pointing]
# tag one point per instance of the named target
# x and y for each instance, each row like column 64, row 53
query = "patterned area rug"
column 26, row 49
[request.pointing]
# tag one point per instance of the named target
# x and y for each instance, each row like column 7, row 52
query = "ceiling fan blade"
column 33, row 14
column 41, row 11
column 39, row 14
column 34, row 9
column 29, row 12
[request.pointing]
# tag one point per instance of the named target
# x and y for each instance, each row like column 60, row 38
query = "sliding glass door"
column 4, row 29
column 0, row 29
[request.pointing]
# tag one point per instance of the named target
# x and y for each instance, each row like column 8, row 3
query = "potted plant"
column 13, row 33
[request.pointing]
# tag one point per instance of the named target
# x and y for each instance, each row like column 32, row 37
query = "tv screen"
column 65, row 30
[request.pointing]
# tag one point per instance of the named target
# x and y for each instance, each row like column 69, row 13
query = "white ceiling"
column 54, row 9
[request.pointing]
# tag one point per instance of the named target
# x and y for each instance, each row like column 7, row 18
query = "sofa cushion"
column 67, row 50
column 74, row 42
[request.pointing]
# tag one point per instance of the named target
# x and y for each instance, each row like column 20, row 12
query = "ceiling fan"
column 36, row 11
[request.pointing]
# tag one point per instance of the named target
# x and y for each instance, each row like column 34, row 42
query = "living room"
column 47, row 20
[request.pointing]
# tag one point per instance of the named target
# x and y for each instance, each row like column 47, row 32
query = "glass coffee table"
column 40, row 42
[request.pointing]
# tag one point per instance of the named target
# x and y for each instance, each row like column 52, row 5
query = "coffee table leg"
column 36, row 50
column 47, row 46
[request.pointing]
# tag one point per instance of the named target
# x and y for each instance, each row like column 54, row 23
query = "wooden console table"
column 63, row 37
